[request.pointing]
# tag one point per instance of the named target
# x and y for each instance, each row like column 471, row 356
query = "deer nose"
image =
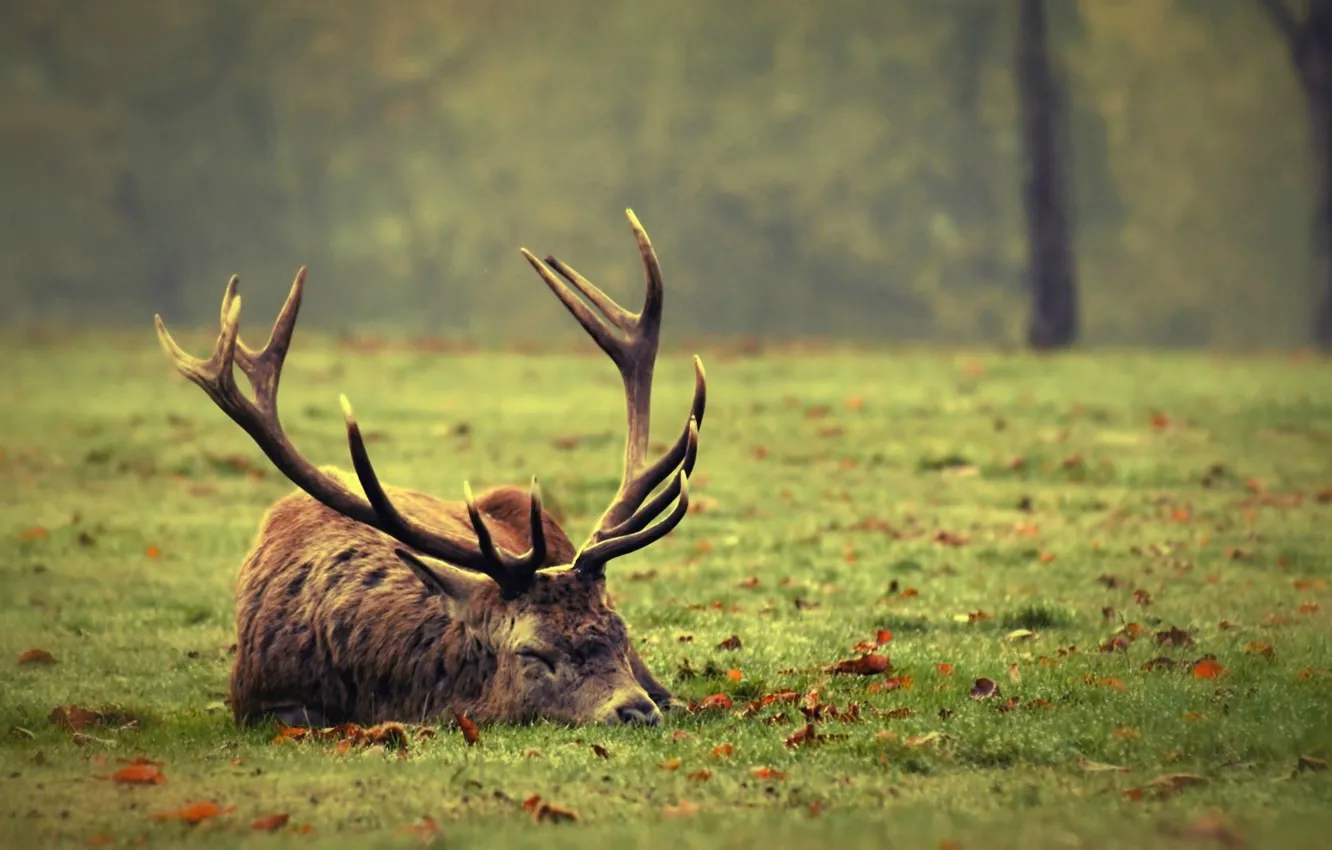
column 638, row 710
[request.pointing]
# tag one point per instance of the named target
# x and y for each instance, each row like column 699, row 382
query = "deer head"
column 540, row 636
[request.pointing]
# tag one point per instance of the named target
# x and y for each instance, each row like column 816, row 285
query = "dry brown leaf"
column 682, row 809
column 270, row 823
column 194, row 813
column 426, row 831
column 869, row 664
column 36, row 657
column 469, row 731
column 138, row 774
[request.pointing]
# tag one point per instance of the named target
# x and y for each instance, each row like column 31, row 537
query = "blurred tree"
column 1310, row 44
column 1051, row 264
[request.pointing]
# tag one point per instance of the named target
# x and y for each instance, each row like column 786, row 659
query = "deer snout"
column 636, row 709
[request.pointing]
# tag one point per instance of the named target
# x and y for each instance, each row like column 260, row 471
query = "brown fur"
column 333, row 627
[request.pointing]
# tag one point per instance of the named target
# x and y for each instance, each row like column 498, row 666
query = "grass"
column 127, row 502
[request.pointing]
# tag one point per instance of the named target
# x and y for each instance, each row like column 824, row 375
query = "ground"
column 1050, row 525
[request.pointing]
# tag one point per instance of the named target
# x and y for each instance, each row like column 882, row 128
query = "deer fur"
column 334, row 628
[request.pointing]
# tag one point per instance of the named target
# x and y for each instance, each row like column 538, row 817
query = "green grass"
column 111, row 455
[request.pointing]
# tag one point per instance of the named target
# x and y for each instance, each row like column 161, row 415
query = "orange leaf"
column 670, row 765
column 683, row 809
column 891, row 684
column 194, row 813
column 882, row 636
column 427, row 830
column 152, row 552
column 944, row 668
column 37, row 532
column 36, row 656
column 469, row 731
column 271, row 823
column 869, row 664
column 734, row 675
column 1309, row 608
column 1160, row 421
column 700, row 775
column 766, row 773
column 1047, row 557
column 1208, row 668
column 716, row 701
column 722, row 751
column 139, row 774
column 854, row 402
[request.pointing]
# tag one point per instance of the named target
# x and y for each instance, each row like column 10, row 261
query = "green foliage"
column 129, row 584
column 848, row 169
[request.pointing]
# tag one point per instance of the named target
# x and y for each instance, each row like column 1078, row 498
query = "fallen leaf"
column 469, row 731
column 73, row 718
column 551, row 813
column 984, row 689
column 732, row 643
column 748, row 583
column 944, row 668
column 891, row 684
column 1208, row 668
column 139, row 774
column 270, row 823
column 869, row 664
column 716, row 701
column 1174, row 637
column 734, row 675
column 670, row 765
column 1310, row 763
column 948, row 538
column 723, row 751
column 36, row 657
column 194, row 813
column 601, row 751
column 426, row 831
column 766, row 773
column 36, row 532
column 1308, row 607
column 700, row 775
column 1257, row 647
column 1020, row 634
column 153, row 552
column 1212, row 826
column 682, row 809
column 1172, row 783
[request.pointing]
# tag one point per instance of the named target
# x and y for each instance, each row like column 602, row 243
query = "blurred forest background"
column 849, row 168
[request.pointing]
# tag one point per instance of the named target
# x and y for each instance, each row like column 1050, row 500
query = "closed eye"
column 531, row 656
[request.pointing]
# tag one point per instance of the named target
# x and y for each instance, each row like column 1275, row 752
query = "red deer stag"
column 402, row 606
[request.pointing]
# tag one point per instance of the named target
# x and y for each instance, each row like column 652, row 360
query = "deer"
column 391, row 605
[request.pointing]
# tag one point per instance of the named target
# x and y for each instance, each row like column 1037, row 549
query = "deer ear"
column 446, row 579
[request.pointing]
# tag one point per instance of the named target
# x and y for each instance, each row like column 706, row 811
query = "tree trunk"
column 1310, row 44
column 1052, row 267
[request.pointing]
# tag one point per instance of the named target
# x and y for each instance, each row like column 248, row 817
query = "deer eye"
column 532, row 656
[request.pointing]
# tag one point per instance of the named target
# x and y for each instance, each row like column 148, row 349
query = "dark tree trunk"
column 1052, row 267
column 1310, row 43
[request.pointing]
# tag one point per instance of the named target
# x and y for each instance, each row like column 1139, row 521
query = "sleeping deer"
column 395, row 605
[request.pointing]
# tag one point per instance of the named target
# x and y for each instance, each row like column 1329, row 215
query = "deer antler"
column 259, row 419
column 630, row 339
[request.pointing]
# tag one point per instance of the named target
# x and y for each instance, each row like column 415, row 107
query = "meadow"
column 1101, row 580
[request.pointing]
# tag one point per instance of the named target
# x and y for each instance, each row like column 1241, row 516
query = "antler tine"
column 513, row 573
column 591, row 561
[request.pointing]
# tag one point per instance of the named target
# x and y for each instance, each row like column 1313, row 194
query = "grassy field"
column 1051, row 525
